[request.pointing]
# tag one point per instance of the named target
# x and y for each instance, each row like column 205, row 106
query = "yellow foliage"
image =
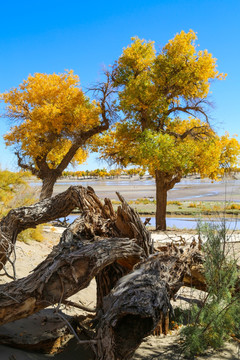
column 15, row 192
column 174, row 202
column 150, row 84
column 154, row 86
column 49, row 111
column 233, row 206
column 188, row 70
column 230, row 149
column 12, row 189
column 201, row 151
column 32, row 234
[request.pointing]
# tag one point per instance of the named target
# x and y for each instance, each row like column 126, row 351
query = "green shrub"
column 219, row 317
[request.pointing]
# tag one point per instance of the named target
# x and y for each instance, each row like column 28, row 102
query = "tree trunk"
column 161, row 201
column 48, row 183
column 164, row 182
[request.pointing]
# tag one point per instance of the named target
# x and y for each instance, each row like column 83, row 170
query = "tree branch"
column 24, row 166
column 188, row 109
column 195, row 132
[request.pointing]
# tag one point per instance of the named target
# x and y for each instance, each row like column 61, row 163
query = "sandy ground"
column 153, row 347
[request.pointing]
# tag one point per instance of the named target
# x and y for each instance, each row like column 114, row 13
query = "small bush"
column 31, row 234
column 217, row 207
column 192, row 205
column 174, row 203
column 15, row 192
column 219, row 317
column 145, row 201
column 233, row 206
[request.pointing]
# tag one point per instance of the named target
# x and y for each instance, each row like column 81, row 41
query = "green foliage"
column 163, row 152
column 220, row 315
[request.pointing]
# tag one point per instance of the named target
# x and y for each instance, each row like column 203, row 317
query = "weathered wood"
column 44, row 211
column 140, row 301
column 127, row 223
column 97, row 219
column 132, row 310
column 185, row 266
column 130, row 225
column 68, row 269
column 46, row 332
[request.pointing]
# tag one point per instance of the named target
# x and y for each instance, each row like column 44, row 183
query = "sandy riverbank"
column 153, row 347
column 131, row 189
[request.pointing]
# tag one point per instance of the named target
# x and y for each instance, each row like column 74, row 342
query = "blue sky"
column 51, row 36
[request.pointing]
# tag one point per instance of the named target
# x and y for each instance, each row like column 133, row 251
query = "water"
column 198, row 188
column 183, row 222
column 191, row 223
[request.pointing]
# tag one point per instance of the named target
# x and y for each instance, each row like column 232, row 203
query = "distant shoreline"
column 189, row 189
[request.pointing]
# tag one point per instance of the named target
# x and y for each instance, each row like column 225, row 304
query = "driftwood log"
column 61, row 275
column 134, row 282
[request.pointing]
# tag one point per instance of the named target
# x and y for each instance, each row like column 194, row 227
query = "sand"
column 153, row 347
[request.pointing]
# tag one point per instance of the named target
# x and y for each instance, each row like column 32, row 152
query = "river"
column 189, row 189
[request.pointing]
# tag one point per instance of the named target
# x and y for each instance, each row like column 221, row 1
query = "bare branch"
column 25, row 166
column 196, row 132
column 78, row 306
column 192, row 110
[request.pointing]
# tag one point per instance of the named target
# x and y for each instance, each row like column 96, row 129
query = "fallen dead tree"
column 96, row 244
column 61, row 275
column 108, row 246
column 97, row 219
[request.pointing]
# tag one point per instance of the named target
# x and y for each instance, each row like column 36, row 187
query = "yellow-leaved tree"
column 154, row 92
column 53, row 121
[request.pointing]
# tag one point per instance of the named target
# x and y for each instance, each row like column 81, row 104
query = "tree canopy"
column 52, row 121
column 165, row 128
column 153, row 87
